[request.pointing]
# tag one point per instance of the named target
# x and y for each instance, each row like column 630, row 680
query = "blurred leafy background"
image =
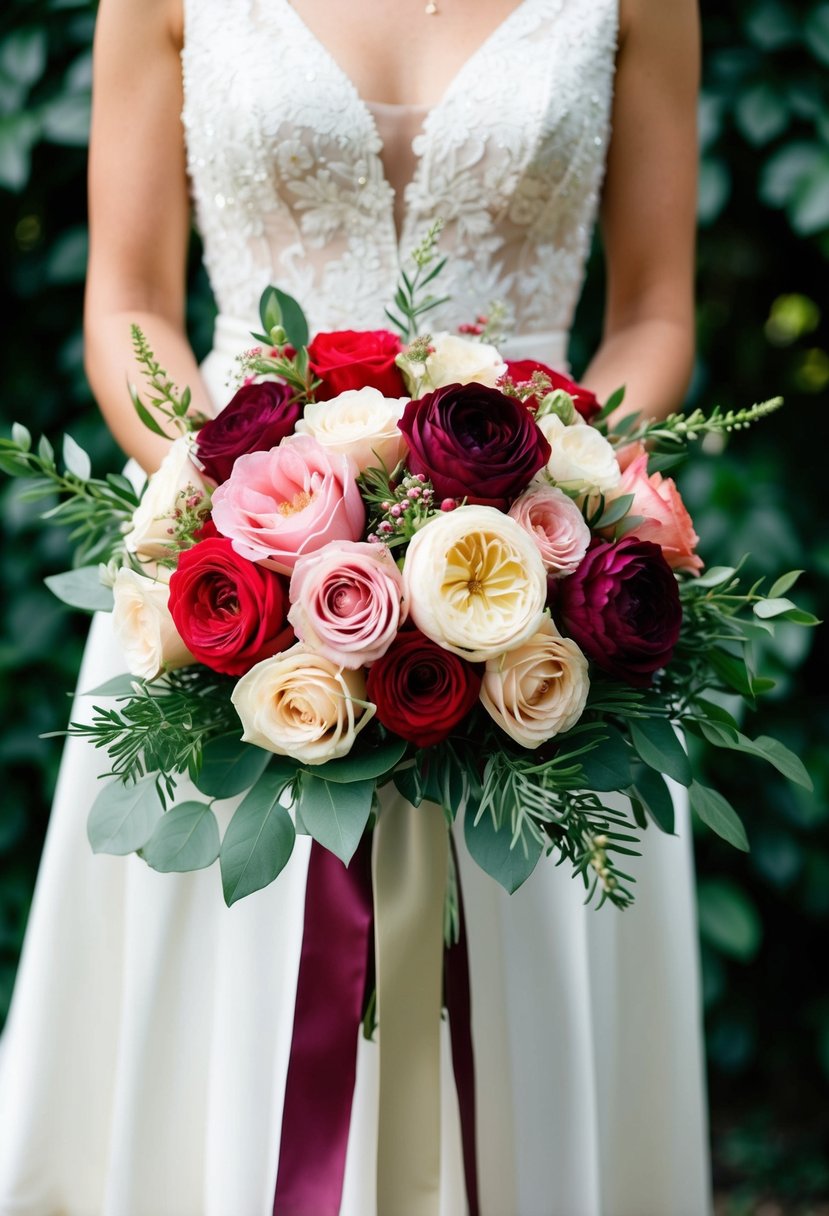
column 763, row 326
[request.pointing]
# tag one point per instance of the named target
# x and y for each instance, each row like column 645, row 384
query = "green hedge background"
column 763, row 326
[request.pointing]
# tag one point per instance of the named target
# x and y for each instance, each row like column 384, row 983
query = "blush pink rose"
column 291, row 500
column 666, row 521
column 347, row 602
column 556, row 525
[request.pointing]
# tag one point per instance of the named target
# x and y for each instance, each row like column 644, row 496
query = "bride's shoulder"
column 147, row 21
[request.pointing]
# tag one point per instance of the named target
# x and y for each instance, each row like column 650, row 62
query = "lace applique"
column 288, row 181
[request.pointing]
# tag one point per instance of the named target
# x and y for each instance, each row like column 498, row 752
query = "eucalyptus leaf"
column 76, row 459
column 22, row 436
column 336, row 814
column 718, row 814
column 230, row 766
column 118, row 686
column 359, row 765
column 657, row 744
column 784, row 584
column 259, row 838
column 81, row 588
column 615, row 511
column 491, row 850
column 123, row 817
column 186, row 838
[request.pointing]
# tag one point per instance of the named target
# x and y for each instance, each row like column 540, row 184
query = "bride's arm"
column 139, row 214
column 649, row 209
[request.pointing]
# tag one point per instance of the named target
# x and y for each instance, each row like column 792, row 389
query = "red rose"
column 231, row 612
column 421, row 690
column 586, row 403
column 473, row 442
column 352, row 358
column 255, row 420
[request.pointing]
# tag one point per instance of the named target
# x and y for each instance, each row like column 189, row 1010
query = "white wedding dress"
column 143, row 1066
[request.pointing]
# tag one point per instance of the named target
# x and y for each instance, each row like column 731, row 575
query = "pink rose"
column 556, row 525
column 666, row 521
column 347, row 602
column 291, row 500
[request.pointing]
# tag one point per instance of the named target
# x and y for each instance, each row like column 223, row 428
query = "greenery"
column 763, row 329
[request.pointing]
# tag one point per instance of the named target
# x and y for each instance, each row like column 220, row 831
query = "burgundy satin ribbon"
column 331, row 988
column 335, row 972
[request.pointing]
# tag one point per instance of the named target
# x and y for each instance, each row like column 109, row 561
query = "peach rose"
column 291, row 500
column 666, row 521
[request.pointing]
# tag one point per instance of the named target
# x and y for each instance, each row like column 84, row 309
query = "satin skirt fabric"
column 143, row 1066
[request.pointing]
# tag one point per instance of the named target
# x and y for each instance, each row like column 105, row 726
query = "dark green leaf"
column 269, row 311
column 336, row 815
column 657, row 744
column 607, row 766
column 359, row 765
column 655, row 796
column 259, row 838
column 407, row 781
column 728, row 920
column 123, row 817
column 186, row 838
column 146, row 417
column 718, row 814
column 615, row 510
column 491, row 850
column 230, row 766
column 731, row 670
column 293, row 319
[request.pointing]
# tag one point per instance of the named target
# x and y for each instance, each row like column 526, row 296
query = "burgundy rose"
column 256, row 419
column 231, row 612
column 421, row 690
column 622, row 607
column 586, row 403
column 473, row 442
column 351, row 358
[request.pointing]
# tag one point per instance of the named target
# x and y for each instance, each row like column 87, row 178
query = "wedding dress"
column 144, row 1062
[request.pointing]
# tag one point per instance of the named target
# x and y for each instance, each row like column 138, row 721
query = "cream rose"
column 360, row 423
column 538, row 689
column 581, row 460
column 475, row 582
column 176, row 485
column 144, row 627
column 300, row 704
column 453, row 360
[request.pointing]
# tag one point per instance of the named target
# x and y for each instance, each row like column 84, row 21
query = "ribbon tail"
column 329, row 1003
column 410, row 871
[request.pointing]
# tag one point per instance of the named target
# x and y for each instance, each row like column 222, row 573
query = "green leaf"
column 614, row 400
column 649, row 786
column 230, row 766
column 657, row 744
column 81, row 588
column 123, row 817
column 360, row 765
column 784, row 760
column 407, row 781
column 118, row 686
column 22, row 436
column 76, row 459
column 23, row 55
column 66, row 119
column 150, row 422
column 715, row 577
column 336, row 815
column 18, row 133
column 607, row 766
column 718, row 814
column 270, row 313
column 259, row 838
column 491, row 850
column 728, row 920
column 615, row 511
column 784, row 584
column 732, row 671
column 186, row 838
column 293, row 319
column 45, row 450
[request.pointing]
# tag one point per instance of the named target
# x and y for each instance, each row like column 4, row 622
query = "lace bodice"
column 289, row 185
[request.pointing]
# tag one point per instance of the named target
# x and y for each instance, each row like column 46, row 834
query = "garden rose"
column 291, row 500
column 665, row 518
column 453, row 360
column 473, row 442
column 622, row 607
column 230, row 612
column 580, row 457
column 176, row 486
column 302, row 705
column 143, row 626
column 349, row 359
column 586, row 402
column 556, row 525
column 347, row 601
column 539, row 689
column 421, row 690
column 255, row 419
column 361, row 423
column 475, row 582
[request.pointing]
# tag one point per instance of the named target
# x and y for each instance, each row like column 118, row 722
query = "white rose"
column 539, row 689
column 302, row 705
column 361, row 423
column 453, row 360
column 176, row 483
column 475, row 582
column 144, row 627
column 581, row 459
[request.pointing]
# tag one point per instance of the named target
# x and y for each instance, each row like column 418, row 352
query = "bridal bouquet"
column 405, row 559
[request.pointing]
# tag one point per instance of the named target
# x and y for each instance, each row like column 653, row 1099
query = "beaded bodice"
column 288, row 179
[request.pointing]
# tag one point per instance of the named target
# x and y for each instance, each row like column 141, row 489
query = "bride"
column 143, row 1067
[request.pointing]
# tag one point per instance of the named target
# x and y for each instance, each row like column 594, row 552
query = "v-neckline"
column 430, row 112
